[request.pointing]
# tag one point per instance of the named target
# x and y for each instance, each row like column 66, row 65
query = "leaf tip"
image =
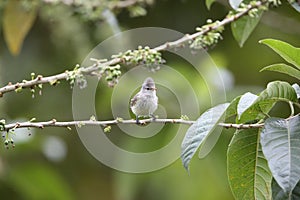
column 266, row 41
column 262, row 41
column 263, row 69
column 241, row 44
column 208, row 3
column 185, row 163
column 187, row 168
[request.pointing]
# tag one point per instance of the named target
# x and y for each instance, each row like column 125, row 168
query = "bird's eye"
column 147, row 88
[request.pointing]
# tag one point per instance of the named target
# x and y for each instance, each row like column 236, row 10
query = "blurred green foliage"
column 58, row 40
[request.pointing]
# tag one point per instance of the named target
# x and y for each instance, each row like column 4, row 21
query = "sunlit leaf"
column 279, row 194
column 283, row 68
column 288, row 52
column 296, row 6
column 199, row 131
column 248, row 172
column 280, row 140
column 243, row 27
column 235, row 3
column 245, row 102
column 276, row 91
column 17, row 21
column 297, row 89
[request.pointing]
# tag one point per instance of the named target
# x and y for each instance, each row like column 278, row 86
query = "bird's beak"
column 154, row 89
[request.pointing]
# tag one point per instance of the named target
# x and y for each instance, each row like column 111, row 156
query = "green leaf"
column 16, row 24
column 243, row 27
column 297, row 89
column 245, row 102
column 235, row 3
column 248, row 172
column 199, row 131
column 209, row 3
column 276, row 91
column 279, row 194
column 280, row 140
column 283, row 68
column 288, row 52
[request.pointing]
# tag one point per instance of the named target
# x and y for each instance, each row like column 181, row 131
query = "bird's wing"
column 133, row 101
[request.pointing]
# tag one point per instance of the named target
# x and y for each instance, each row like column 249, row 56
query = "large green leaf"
column 283, row 68
column 199, row 131
column 275, row 91
column 17, row 21
column 243, row 27
column 288, row 52
column 248, row 172
column 278, row 90
column 280, row 140
column 279, row 194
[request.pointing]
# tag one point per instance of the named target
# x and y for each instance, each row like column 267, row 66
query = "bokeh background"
column 53, row 164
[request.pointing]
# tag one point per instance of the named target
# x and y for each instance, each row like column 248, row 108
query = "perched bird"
column 144, row 103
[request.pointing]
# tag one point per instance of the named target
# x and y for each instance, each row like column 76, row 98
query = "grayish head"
column 148, row 85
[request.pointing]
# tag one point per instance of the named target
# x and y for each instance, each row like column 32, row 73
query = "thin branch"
column 225, row 21
column 241, row 126
column 28, row 84
column 54, row 123
column 95, row 67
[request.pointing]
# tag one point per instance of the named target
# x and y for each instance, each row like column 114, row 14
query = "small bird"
column 144, row 103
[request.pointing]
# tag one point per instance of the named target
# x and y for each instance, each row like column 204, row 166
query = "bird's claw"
column 137, row 120
column 153, row 117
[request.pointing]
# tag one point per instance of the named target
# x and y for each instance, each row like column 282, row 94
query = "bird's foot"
column 137, row 120
column 153, row 117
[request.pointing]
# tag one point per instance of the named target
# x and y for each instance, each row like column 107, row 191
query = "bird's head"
column 149, row 85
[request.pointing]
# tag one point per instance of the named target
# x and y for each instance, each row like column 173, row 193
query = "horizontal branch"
column 28, row 84
column 54, row 123
column 98, row 65
column 241, row 126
